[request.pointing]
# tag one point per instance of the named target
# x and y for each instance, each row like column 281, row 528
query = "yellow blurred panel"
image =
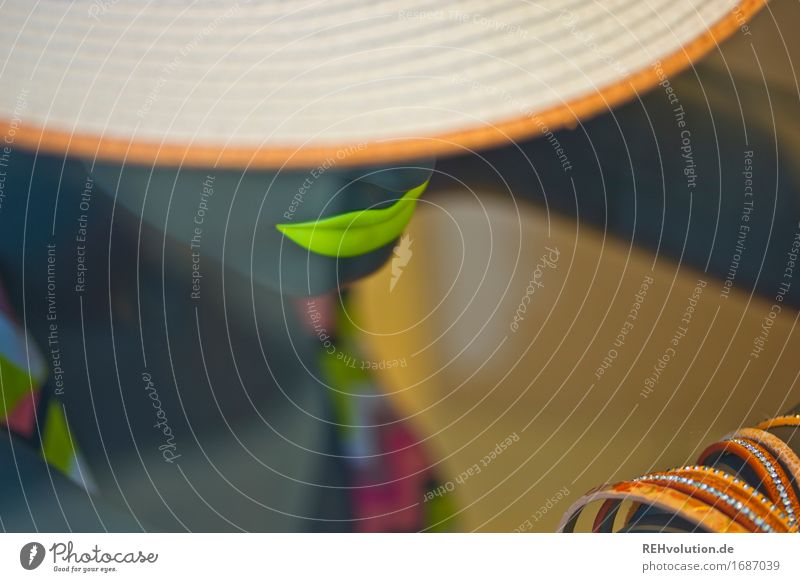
column 542, row 358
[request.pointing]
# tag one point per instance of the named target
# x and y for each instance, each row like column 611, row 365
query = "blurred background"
column 566, row 311
column 595, row 394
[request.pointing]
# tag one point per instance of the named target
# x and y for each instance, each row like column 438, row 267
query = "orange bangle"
column 610, row 505
column 768, row 470
column 685, row 506
column 779, row 449
column 696, row 480
column 784, row 420
column 709, row 498
column 751, row 494
column 734, row 498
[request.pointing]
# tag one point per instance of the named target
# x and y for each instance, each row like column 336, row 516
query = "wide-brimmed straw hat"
column 291, row 83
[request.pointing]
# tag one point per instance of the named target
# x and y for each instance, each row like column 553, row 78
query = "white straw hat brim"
column 278, row 83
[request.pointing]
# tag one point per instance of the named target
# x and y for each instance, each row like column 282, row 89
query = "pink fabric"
column 22, row 419
column 318, row 313
column 396, row 504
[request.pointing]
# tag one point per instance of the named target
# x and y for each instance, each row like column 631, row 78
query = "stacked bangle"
column 699, row 514
column 768, row 469
column 706, row 498
column 779, row 449
column 730, row 495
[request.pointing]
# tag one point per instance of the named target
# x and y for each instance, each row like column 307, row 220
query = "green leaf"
column 357, row 232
